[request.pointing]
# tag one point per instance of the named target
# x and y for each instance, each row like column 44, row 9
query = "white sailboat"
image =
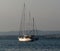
column 25, row 37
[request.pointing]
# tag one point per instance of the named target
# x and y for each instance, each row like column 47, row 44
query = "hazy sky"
column 46, row 13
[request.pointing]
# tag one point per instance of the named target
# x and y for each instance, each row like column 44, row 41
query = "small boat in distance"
column 25, row 37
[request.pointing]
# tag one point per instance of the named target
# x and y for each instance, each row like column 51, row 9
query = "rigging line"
column 21, row 23
column 35, row 28
column 17, row 8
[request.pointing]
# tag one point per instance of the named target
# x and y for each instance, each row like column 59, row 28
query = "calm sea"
column 11, row 43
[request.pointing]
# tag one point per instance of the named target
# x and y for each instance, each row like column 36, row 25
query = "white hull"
column 24, row 39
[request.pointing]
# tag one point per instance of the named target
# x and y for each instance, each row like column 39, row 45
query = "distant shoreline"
column 16, row 37
column 41, row 34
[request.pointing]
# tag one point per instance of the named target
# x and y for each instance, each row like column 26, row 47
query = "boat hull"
column 24, row 39
column 28, row 38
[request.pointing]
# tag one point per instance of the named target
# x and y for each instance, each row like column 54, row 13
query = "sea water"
column 12, row 44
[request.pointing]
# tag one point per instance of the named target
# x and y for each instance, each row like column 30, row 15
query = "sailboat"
column 25, row 37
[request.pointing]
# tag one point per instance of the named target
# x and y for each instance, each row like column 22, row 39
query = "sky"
column 45, row 12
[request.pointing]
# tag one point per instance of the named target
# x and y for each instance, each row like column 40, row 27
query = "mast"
column 29, row 19
column 33, row 25
column 24, row 19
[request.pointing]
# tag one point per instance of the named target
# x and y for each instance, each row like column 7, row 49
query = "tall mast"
column 24, row 19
